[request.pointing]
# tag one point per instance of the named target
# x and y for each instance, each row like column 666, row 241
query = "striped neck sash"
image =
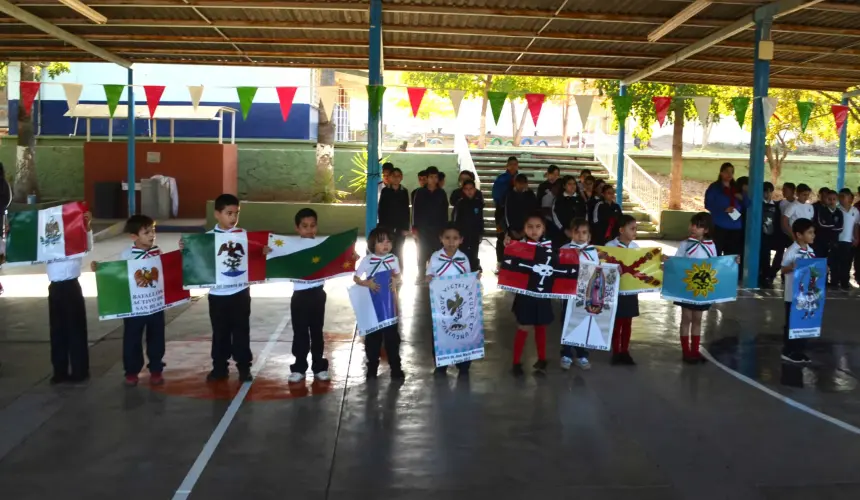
column 139, row 253
column 234, row 230
column 584, row 249
column 695, row 245
column 386, row 262
column 542, row 243
column 447, row 262
column 805, row 253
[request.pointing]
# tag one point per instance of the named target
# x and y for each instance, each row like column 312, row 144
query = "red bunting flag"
column 153, row 97
column 416, row 95
column 285, row 97
column 28, row 95
column 661, row 106
column 535, row 103
column 840, row 114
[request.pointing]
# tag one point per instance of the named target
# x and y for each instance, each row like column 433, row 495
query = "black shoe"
column 540, row 366
column 245, row 376
column 627, row 359
column 397, row 374
column 518, row 370
column 441, row 371
column 217, row 376
column 59, row 378
column 616, row 359
column 78, row 378
column 464, row 372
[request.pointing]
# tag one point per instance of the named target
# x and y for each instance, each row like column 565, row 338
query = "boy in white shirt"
column 848, row 239
column 798, row 209
column 804, row 235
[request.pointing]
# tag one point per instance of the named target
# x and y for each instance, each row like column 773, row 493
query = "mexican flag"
column 129, row 288
column 49, row 235
column 311, row 260
column 223, row 260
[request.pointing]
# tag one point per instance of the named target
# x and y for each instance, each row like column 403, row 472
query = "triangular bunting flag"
column 285, row 97
column 73, row 94
column 804, row 110
column 328, row 97
column 840, row 115
column 196, row 92
column 456, row 98
column 113, row 92
column 740, row 105
column 703, row 108
column 497, row 102
column 153, row 97
column 28, row 95
column 768, row 106
column 661, row 107
column 374, row 98
column 416, row 95
column 535, row 103
column 622, row 105
column 246, row 97
column 583, row 105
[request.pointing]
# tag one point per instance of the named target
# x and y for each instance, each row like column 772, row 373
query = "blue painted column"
column 843, row 151
column 619, row 185
column 130, row 144
column 761, row 83
column 373, row 117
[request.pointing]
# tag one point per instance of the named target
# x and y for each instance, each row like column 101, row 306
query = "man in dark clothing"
column 430, row 217
column 394, row 211
column 520, row 204
column 468, row 215
column 501, row 187
column 771, row 238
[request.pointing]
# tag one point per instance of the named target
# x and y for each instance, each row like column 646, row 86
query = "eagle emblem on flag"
column 535, row 270
column 235, row 252
column 146, row 278
column 52, row 233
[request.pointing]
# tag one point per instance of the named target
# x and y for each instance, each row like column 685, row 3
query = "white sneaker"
column 322, row 376
column 583, row 363
column 566, row 362
column 295, row 377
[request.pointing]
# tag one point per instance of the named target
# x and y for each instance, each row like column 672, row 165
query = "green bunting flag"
column 246, row 97
column 740, row 105
column 804, row 109
column 497, row 102
column 374, row 98
column 113, row 92
column 622, row 105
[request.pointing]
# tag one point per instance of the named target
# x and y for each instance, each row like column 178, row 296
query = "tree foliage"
column 55, row 69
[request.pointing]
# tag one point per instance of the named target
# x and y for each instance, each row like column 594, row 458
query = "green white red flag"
column 139, row 287
column 223, row 260
column 311, row 260
column 49, row 235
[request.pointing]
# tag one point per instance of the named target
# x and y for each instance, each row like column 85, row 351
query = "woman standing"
column 725, row 201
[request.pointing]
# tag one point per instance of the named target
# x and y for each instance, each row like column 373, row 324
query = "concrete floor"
column 659, row 430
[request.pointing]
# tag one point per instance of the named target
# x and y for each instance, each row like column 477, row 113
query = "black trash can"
column 108, row 200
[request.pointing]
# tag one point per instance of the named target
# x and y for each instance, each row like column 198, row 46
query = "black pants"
column 566, row 350
column 307, row 309
column 132, row 343
column 499, row 216
column 729, row 241
column 790, row 346
column 471, row 245
column 428, row 242
column 397, row 245
column 67, row 315
column 857, row 264
column 840, row 263
column 231, row 330
column 767, row 268
column 373, row 346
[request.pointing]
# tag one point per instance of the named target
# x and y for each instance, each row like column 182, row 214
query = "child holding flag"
column 379, row 259
column 804, row 235
column 580, row 236
column 628, row 305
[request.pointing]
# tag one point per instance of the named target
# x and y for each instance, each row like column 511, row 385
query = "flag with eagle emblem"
column 49, row 235
column 534, row 269
column 458, row 318
column 223, row 259
column 310, row 260
column 139, row 287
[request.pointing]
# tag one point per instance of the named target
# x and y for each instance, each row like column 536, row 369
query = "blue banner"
column 700, row 281
column 807, row 294
column 374, row 310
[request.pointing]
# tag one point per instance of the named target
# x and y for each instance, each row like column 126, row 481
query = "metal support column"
column 373, row 116
column 761, row 83
column 843, row 150
column 130, row 144
column 619, row 175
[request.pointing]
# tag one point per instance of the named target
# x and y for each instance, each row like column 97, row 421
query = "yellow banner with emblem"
column 640, row 268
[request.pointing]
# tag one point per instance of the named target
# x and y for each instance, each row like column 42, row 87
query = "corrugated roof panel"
column 823, row 18
column 403, row 38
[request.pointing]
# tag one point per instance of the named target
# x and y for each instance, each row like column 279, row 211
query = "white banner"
column 231, row 259
column 591, row 314
column 458, row 318
column 456, row 98
column 196, row 92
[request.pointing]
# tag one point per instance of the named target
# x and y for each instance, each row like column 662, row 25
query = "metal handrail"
column 641, row 187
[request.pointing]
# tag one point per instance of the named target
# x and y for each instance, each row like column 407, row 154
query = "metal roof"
column 817, row 47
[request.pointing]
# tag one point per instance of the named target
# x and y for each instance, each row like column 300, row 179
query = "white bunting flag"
column 583, row 105
column 196, row 92
column 768, row 106
column 328, row 96
column 703, row 108
column 456, row 98
column 73, row 94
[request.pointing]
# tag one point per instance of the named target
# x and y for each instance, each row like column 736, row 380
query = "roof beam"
column 775, row 10
column 62, row 34
column 678, row 19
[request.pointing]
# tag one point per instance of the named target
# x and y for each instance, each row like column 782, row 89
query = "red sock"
column 519, row 345
column 626, row 332
column 694, row 347
column 540, row 342
column 616, row 337
column 685, row 345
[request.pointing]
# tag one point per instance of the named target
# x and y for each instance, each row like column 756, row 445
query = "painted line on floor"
column 785, row 399
column 221, row 429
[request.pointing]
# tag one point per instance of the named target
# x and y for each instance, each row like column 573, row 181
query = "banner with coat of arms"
column 140, row 287
column 458, row 318
column 701, row 281
column 640, row 268
column 223, row 260
column 807, row 305
column 590, row 315
column 48, row 235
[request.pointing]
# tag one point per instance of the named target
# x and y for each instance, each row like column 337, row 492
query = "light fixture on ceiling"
column 84, row 10
column 678, row 19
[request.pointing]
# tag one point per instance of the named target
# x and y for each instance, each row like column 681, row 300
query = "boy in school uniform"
column 828, row 224
column 394, row 211
column 456, row 194
column 803, row 234
column 771, row 238
column 468, row 216
column 605, row 217
column 307, row 309
column 797, row 209
column 550, row 177
column 840, row 266
column 441, row 176
column 566, row 207
column 387, row 168
column 430, row 212
column 519, row 205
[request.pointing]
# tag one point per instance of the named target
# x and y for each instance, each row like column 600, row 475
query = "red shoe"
column 156, row 379
column 131, row 380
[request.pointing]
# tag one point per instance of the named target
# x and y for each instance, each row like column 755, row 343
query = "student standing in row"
column 828, row 225
column 771, row 238
column 803, row 234
column 628, row 305
column 394, row 211
column 579, row 240
column 520, row 203
column 606, row 215
column 798, row 209
column 468, row 217
column 430, row 216
column 840, row 267
column 503, row 185
column 567, row 206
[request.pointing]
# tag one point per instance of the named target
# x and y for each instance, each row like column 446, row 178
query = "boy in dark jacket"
column 771, row 238
column 607, row 213
column 521, row 203
column 828, row 225
column 394, row 211
column 567, row 206
column 430, row 210
column 469, row 218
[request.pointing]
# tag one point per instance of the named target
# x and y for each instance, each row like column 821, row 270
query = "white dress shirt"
column 372, row 264
column 695, row 249
column 617, row 243
column 852, row 218
column 70, row 269
column 442, row 265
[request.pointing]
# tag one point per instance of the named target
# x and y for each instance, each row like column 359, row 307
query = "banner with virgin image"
column 591, row 313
